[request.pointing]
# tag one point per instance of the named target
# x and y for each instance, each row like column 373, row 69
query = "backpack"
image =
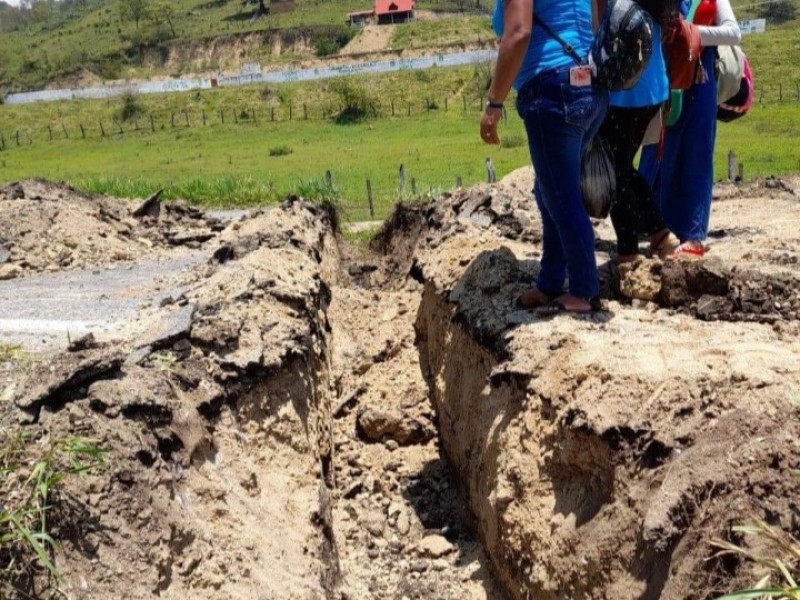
column 729, row 69
column 682, row 50
column 621, row 48
column 737, row 106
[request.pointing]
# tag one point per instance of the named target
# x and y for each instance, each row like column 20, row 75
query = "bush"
column 357, row 102
column 280, row 151
column 512, row 140
column 130, row 108
column 778, row 11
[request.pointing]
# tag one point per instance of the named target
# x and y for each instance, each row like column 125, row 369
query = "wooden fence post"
column 458, row 181
column 741, row 172
column 235, row 116
column 50, row 132
column 733, row 169
column 64, row 129
column 272, row 113
column 255, row 120
column 17, row 135
column 402, row 180
column 2, row 141
column 290, row 111
column 409, row 109
column 392, row 107
column 152, row 124
column 780, row 92
column 305, row 112
column 102, row 129
column 222, row 116
column 186, row 116
column 83, row 131
column 369, row 199
column 119, row 126
column 464, row 99
column 445, row 104
column 204, row 118
column 414, row 187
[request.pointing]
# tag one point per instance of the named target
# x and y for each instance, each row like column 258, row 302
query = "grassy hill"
column 177, row 36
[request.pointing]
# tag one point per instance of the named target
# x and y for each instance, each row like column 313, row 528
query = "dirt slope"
column 310, row 419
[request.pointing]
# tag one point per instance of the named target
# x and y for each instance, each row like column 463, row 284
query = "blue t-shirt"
column 571, row 19
column 653, row 86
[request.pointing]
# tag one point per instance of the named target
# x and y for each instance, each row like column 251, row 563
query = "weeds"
column 30, row 489
column 780, row 557
column 512, row 140
column 282, row 150
column 130, row 108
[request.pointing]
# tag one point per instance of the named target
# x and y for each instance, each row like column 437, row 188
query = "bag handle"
column 568, row 48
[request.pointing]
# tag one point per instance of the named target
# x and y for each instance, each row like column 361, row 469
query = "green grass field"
column 230, row 163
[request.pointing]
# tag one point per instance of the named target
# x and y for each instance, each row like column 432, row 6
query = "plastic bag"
column 598, row 179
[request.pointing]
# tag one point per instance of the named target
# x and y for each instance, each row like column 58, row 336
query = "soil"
column 313, row 419
column 49, row 227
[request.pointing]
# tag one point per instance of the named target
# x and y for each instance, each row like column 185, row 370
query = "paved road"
column 43, row 311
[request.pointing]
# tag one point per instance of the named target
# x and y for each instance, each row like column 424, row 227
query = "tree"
column 778, row 11
column 134, row 10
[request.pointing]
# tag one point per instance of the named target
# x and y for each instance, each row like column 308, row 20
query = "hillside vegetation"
column 113, row 39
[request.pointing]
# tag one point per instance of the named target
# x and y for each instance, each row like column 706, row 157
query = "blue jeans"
column 560, row 121
column 682, row 180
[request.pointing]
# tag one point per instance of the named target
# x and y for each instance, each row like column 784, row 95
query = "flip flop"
column 685, row 250
column 658, row 248
column 556, row 307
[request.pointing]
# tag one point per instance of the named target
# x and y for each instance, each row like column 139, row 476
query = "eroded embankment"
column 217, row 427
column 600, row 455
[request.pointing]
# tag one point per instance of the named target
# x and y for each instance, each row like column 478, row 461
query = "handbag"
column 598, row 178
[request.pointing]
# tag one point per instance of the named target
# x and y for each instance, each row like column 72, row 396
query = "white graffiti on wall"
column 184, row 85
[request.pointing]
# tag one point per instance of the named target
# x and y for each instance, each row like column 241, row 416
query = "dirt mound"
column 51, row 227
column 599, row 455
column 383, row 423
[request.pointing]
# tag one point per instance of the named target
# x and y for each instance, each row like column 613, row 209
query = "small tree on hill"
column 134, row 10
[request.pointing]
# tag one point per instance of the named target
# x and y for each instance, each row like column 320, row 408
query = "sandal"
column 666, row 246
column 689, row 250
column 557, row 307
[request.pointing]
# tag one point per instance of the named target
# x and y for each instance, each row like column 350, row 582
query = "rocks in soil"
column 375, row 425
column 434, row 546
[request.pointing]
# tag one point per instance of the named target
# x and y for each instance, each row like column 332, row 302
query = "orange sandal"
column 689, row 250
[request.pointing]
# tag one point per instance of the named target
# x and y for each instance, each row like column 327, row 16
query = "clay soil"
column 315, row 419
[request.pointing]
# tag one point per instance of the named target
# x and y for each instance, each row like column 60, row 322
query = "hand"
column 489, row 121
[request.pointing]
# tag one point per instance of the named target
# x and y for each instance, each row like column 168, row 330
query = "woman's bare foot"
column 664, row 244
column 532, row 298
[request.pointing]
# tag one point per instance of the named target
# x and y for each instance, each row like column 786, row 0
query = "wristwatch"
column 497, row 105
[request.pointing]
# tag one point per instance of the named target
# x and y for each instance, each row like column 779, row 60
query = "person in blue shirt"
column 634, row 211
column 562, row 110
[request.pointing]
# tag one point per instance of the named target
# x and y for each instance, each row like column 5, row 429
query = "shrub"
column 283, row 150
column 778, row 11
column 512, row 140
column 130, row 108
column 357, row 102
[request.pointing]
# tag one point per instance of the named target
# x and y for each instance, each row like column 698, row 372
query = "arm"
column 517, row 25
column 726, row 32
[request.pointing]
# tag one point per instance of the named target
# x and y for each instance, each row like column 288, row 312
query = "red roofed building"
column 394, row 11
column 385, row 11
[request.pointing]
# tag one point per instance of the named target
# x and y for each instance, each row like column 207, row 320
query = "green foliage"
column 131, row 108
column 30, row 488
column 512, row 140
column 282, row 150
column 778, row 11
column 319, row 191
column 329, row 40
column 357, row 103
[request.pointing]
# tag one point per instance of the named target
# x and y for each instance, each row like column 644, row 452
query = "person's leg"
column 558, row 126
column 624, row 129
column 696, row 167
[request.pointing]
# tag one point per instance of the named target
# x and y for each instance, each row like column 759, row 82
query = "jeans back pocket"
column 579, row 105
